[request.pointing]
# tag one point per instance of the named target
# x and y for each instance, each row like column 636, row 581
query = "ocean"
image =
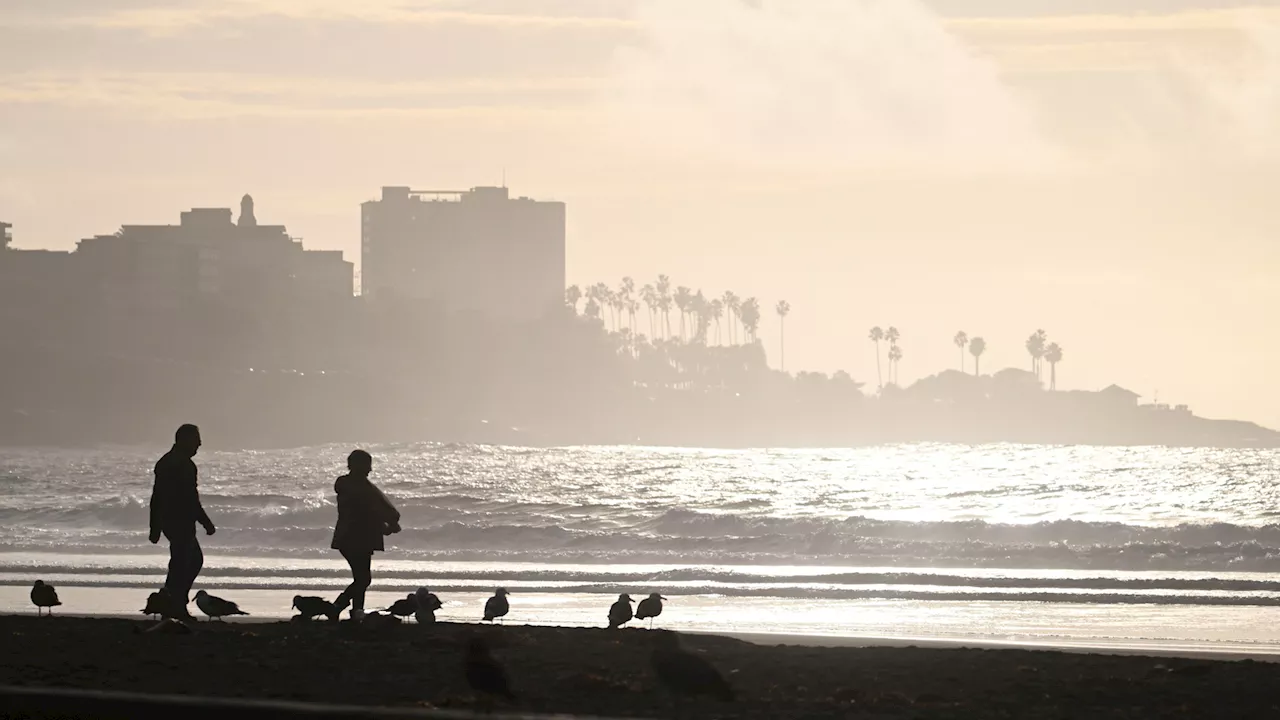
column 1096, row 546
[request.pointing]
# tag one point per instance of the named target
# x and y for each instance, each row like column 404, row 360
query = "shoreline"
column 606, row 673
column 1224, row 652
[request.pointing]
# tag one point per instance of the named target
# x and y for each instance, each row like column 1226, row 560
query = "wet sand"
column 601, row 672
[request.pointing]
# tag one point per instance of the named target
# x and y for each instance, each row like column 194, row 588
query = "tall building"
column 207, row 255
column 5, row 237
column 468, row 251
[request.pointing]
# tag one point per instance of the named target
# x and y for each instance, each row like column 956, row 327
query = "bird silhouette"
column 404, row 607
column 650, row 608
column 158, row 605
column 497, row 606
column 620, row 612
column 683, row 673
column 215, row 607
column 309, row 607
column 428, row 604
column 485, row 675
column 44, row 596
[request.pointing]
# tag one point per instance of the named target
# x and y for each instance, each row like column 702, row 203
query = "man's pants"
column 185, row 561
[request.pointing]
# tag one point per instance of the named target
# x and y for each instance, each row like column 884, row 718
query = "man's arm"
column 201, row 516
column 157, row 504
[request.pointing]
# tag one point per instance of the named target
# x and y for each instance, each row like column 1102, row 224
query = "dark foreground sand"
column 607, row 673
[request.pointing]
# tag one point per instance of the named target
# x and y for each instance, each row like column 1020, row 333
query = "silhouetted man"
column 175, row 510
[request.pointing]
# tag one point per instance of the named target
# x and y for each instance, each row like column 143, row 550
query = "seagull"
column 44, row 596
column 309, row 607
column 404, row 607
column 485, row 675
column 428, row 604
column 684, row 673
column 497, row 605
column 216, row 607
column 157, row 604
column 650, row 608
column 620, row 612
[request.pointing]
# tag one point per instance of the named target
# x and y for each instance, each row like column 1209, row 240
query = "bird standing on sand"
column 44, row 596
column 650, row 608
column 428, row 604
column 157, row 605
column 620, row 612
column 497, row 606
column 215, row 607
column 405, row 606
column 684, row 673
column 486, row 675
column 309, row 607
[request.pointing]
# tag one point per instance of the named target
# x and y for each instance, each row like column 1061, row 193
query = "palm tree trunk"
column 782, row 343
column 879, row 372
column 977, row 366
column 1053, row 376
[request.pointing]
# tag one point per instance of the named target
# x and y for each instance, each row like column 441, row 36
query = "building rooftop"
column 1119, row 391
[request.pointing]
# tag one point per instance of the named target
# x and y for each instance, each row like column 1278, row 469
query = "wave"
column 401, row 585
column 710, row 577
column 466, row 525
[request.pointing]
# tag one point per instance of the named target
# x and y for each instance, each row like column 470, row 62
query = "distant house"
column 1118, row 396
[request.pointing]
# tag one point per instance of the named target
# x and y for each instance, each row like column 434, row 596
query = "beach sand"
column 601, row 672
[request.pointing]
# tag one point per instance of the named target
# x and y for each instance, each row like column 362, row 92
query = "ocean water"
column 1056, row 544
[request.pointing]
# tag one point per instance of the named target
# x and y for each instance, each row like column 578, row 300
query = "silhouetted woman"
column 364, row 517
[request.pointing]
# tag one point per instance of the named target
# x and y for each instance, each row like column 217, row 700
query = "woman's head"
column 360, row 462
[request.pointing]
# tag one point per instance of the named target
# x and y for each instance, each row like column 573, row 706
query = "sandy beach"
column 586, row 671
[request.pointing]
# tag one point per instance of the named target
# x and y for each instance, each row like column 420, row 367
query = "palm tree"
column 701, row 310
column 732, row 305
column 684, row 301
column 895, row 356
column 1053, row 354
column 572, row 296
column 619, row 305
column 1035, row 348
column 892, row 335
column 783, row 309
column 977, row 347
column 962, row 342
column 717, row 311
column 625, row 293
column 750, row 317
column 650, row 297
column 664, row 302
column 876, row 336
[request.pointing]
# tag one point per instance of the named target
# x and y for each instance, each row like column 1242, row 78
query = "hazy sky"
column 1108, row 170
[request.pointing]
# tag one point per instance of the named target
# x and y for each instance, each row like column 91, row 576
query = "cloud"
column 822, row 82
column 205, row 95
column 1240, row 99
column 170, row 19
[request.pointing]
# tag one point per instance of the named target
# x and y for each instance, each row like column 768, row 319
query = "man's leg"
column 179, row 551
column 195, row 562
column 185, row 561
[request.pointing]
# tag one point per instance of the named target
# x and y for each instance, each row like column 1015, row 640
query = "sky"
column 1105, row 170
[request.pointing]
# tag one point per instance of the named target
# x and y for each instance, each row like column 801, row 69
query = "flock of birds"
column 680, row 671
column 420, row 605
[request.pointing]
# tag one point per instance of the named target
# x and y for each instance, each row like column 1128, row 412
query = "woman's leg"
column 362, row 574
column 361, row 578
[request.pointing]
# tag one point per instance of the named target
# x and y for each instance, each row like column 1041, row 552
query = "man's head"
column 360, row 462
column 188, row 438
